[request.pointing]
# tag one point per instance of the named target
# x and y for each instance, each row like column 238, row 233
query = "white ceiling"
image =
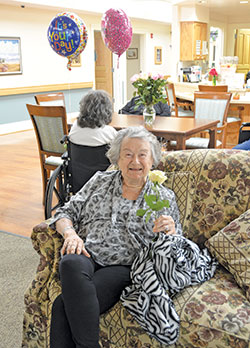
column 228, row 8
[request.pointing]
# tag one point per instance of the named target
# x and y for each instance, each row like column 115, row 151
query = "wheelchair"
column 244, row 133
column 80, row 163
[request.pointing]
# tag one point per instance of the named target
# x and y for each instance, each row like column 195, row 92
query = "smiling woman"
column 103, row 234
column 135, row 162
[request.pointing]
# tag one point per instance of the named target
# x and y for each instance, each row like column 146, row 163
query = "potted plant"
column 150, row 90
column 214, row 75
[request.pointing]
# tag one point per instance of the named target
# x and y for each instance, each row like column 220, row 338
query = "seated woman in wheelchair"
column 91, row 127
column 102, row 235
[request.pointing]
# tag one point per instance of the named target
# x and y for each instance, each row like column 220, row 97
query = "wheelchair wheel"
column 57, row 192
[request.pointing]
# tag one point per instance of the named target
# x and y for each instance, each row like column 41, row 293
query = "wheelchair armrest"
column 64, row 139
column 47, row 244
column 245, row 124
column 65, row 155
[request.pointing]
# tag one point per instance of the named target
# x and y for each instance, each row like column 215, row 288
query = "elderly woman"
column 102, row 235
column 91, row 127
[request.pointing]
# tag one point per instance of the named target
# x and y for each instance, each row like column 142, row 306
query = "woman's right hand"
column 73, row 244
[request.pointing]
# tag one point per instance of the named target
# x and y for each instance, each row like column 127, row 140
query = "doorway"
column 133, row 58
column 215, row 47
column 242, row 50
column 103, row 65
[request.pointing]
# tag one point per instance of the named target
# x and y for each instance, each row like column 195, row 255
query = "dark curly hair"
column 95, row 109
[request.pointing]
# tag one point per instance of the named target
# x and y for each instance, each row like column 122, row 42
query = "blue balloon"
column 64, row 35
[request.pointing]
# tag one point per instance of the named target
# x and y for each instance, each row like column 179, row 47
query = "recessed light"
column 243, row 2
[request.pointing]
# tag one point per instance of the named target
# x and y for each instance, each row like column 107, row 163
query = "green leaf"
column 159, row 206
column 150, row 200
column 141, row 212
column 166, row 203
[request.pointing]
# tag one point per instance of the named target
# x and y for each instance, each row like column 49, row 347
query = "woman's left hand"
column 164, row 223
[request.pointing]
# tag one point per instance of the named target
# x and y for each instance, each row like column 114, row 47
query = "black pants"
column 88, row 290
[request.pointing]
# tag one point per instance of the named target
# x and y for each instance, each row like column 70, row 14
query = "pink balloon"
column 116, row 31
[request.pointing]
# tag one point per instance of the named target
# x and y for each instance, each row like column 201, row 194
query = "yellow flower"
column 155, row 204
column 157, row 176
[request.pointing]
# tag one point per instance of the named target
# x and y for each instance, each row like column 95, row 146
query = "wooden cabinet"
column 193, row 40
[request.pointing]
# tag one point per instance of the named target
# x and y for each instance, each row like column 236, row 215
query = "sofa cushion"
column 183, row 185
column 222, row 187
column 214, row 314
column 231, row 246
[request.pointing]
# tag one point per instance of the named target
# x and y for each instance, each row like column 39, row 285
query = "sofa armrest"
column 47, row 243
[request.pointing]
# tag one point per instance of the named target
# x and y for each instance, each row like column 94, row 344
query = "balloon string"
column 69, row 64
column 118, row 62
column 69, row 89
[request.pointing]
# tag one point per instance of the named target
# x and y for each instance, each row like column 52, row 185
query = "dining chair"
column 52, row 99
column 50, row 125
column 214, row 106
column 234, row 117
column 211, row 88
column 177, row 108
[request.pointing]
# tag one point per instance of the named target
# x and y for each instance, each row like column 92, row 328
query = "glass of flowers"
column 214, row 75
column 155, row 204
column 150, row 90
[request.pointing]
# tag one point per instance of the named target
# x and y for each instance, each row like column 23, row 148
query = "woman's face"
column 135, row 159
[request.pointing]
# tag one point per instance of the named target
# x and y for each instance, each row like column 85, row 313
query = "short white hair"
column 113, row 153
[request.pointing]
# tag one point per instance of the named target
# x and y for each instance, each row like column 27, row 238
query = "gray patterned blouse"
column 107, row 222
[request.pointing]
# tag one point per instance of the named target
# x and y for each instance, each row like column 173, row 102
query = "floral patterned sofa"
column 212, row 187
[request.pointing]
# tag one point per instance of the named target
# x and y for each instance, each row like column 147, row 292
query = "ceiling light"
column 243, row 2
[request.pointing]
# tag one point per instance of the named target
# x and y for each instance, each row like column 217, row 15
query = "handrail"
column 45, row 88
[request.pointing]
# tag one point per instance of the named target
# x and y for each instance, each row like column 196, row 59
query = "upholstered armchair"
column 212, row 188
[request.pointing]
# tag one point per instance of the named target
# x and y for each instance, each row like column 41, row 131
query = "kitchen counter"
column 190, row 97
column 239, row 108
column 185, row 90
column 190, row 88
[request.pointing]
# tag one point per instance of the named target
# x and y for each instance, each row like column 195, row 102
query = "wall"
column 42, row 66
column 194, row 13
column 151, row 36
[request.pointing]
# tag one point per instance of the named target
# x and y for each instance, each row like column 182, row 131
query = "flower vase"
column 214, row 80
column 149, row 114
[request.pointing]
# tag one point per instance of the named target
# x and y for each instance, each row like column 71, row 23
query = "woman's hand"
column 164, row 223
column 73, row 244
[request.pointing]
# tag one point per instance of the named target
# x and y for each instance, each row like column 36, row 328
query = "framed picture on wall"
column 132, row 53
column 76, row 62
column 10, row 55
column 158, row 55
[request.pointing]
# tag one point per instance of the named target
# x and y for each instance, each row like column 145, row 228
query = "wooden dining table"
column 170, row 128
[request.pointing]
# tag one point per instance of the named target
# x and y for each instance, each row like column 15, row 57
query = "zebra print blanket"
column 159, row 272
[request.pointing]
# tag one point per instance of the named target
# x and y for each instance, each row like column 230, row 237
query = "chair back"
column 212, row 105
column 84, row 162
column 171, row 98
column 50, row 124
column 210, row 88
column 53, row 99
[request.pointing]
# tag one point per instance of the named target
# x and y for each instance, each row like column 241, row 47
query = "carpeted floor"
column 18, row 262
